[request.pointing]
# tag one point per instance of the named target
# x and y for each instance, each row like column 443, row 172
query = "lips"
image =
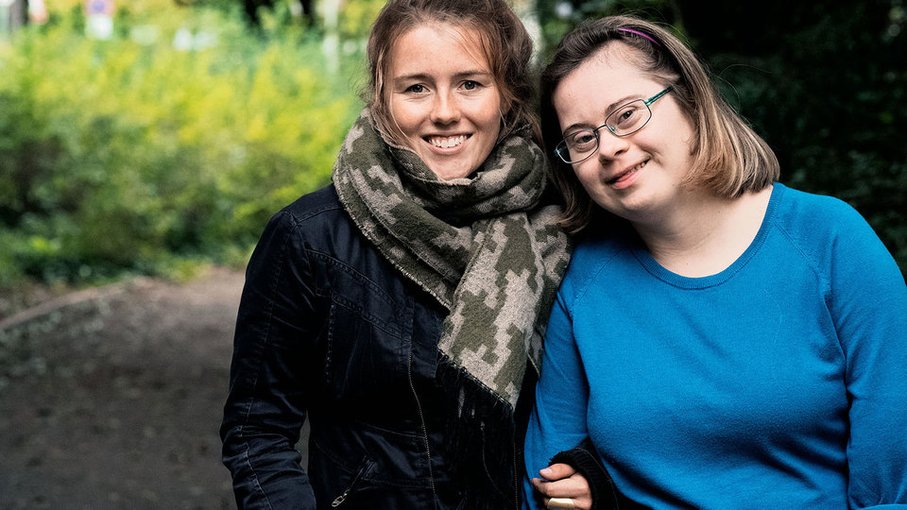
column 446, row 142
column 626, row 174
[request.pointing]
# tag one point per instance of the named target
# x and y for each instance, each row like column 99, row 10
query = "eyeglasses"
column 580, row 145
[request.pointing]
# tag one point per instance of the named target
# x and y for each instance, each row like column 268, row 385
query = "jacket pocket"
column 368, row 340
column 365, row 467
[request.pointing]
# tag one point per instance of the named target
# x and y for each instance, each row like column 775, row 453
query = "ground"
column 112, row 397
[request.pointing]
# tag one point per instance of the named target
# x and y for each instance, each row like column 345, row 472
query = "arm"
column 558, row 420
column 592, row 487
column 562, row 480
column 869, row 307
column 265, row 408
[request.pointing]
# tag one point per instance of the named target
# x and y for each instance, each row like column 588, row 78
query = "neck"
column 706, row 234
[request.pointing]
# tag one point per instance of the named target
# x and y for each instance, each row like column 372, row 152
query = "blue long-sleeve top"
column 780, row 382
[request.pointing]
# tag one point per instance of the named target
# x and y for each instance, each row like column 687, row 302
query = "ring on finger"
column 560, row 503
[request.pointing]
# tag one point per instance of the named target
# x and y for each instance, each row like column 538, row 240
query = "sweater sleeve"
column 868, row 300
column 558, row 420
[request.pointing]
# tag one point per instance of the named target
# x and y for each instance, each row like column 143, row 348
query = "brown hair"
column 505, row 44
column 729, row 158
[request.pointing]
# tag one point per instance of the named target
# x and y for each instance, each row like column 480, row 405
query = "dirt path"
column 114, row 400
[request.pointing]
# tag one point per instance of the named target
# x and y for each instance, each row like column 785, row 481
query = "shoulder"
column 834, row 213
column 814, row 221
column 322, row 202
column 832, row 236
column 312, row 213
column 596, row 253
column 315, row 221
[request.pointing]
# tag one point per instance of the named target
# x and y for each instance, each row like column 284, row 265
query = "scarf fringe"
column 480, row 440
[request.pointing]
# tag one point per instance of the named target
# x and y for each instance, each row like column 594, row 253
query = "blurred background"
column 145, row 143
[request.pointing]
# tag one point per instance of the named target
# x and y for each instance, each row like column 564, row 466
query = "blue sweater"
column 780, row 382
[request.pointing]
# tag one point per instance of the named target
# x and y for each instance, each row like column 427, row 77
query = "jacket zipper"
column 516, row 480
column 431, row 476
column 339, row 500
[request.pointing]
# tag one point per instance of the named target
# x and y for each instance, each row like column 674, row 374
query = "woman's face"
column 639, row 176
column 443, row 97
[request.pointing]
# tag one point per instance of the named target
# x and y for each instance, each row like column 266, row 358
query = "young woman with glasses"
column 720, row 340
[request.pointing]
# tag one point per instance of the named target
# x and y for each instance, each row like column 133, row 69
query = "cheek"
column 487, row 115
column 406, row 115
column 493, row 124
column 586, row 177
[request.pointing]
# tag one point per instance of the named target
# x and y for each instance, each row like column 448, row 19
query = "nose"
column 445, row 109
column 610, row 146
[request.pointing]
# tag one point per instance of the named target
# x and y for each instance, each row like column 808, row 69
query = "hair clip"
column 640, row 34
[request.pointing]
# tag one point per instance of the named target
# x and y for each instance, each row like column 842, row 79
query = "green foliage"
column 133, row 155
column 357, row 17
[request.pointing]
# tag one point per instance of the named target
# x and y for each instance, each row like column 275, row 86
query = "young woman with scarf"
column 401, row 308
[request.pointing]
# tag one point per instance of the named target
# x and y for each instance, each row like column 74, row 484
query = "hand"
column 562, row 481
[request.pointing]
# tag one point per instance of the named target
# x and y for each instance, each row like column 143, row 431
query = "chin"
column 451, row 172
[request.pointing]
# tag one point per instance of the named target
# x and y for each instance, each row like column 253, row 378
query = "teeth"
column 447, row 142
column 635, row 168
column 629, row 171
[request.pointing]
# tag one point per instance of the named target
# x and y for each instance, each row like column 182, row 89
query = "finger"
column 541, row 486
column 566, row 488
column 557, row 471
column 560, row 503
column 576, row 488
column 580, row 503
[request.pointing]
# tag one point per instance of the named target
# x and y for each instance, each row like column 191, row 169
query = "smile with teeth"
column 627, row 173
column 446, row 142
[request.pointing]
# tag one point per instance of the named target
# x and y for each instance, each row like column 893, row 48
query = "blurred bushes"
column 134, row 155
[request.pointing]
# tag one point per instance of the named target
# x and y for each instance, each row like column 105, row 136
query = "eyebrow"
column 427, row 77
column 608, row 111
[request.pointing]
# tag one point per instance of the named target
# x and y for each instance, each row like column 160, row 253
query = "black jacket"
column 328, row 329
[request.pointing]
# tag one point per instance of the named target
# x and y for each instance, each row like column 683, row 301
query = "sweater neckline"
column 702, row 282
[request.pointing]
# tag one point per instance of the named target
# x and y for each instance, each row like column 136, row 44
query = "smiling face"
column 637, row 177
column 443, row 97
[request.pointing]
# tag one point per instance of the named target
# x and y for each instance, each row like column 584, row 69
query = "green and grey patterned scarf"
column 480, row 246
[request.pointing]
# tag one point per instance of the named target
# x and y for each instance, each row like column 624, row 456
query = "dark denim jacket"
column 329, row 330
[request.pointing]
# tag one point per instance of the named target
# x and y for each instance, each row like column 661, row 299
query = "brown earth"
column 112, row 397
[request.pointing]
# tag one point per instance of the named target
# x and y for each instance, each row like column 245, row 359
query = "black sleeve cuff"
column 583, row 460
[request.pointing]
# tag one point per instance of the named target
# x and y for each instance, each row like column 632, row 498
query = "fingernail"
column 545, row 472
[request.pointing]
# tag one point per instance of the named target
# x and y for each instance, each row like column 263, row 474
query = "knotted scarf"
column 485, row 248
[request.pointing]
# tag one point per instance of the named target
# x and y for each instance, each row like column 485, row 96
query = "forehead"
column 437, row 44
column 607, row 75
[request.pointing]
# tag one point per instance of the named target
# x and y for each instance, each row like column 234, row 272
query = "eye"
column 471, row 85
column 626, row 116
column 415, row 88
column 582, row 140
